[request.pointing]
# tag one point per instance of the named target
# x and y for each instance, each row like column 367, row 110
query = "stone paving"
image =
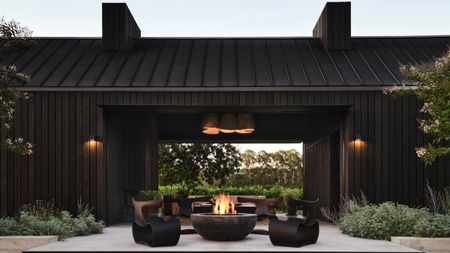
column 119, row 238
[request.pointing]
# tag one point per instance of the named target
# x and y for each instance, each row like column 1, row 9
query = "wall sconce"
column 95, row 138
column 358, row 141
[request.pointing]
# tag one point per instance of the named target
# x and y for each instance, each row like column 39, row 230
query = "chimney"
column 119, row 27
column 334, row 26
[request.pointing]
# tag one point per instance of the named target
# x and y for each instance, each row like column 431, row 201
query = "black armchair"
column 296, row 232
column 154, row 231
column 157, row 232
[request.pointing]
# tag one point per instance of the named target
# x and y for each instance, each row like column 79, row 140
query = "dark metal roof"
column 277, row 62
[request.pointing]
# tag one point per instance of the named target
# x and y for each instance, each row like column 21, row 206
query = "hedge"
column 269, row 192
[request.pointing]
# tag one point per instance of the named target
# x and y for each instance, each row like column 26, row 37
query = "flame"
column 224, row 205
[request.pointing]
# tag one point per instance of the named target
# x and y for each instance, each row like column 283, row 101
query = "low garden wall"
column 17, row 244
column 425, row 244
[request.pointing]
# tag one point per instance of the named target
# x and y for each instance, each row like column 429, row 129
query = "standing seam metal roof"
column 234, row 62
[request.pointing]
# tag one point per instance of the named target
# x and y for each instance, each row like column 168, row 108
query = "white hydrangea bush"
column 432, row 86
column 16, row 39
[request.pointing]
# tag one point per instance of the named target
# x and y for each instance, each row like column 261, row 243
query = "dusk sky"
column 221, row 18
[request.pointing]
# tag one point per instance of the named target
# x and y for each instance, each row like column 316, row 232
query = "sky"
column 269, row 147
column 230, row 18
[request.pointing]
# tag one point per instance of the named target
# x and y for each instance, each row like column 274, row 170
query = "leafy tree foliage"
column 283, row 168
column 16, row 39
column 433, row 87
column 193, row 163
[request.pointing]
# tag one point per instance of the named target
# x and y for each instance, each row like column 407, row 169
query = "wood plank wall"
column 124, row 158
column 321, row 180
column 66, row 169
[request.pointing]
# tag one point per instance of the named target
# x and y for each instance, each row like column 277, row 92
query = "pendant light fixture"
column 241, row 123
column 228, row 123
column 246, row 123
column 210, row 123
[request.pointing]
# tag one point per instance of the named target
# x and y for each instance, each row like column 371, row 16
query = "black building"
column 134, row 92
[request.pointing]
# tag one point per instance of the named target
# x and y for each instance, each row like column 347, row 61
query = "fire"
column 224, row 205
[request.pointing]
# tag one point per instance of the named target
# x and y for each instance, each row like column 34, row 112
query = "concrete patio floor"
column 119, row 238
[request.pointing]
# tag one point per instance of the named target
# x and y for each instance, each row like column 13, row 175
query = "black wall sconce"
column 358, row 142
column 95, row 138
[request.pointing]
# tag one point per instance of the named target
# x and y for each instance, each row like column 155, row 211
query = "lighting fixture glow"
column 241, row 123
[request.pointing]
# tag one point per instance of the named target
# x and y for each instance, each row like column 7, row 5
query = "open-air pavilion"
column 100, row 106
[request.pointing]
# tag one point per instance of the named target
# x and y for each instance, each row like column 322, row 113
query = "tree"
column 16, row 39
column 432, row 82
column 284, row 167
column 192, row 163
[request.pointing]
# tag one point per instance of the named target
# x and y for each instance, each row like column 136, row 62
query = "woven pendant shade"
column 246, row 123
column 210, row 123
column 228, row 123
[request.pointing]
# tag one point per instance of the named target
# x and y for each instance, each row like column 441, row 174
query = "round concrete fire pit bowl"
column 225, row 227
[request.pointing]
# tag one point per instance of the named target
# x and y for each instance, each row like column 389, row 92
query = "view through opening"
column 270, row 170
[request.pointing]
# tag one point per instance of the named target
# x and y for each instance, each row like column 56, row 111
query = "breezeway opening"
column 134, row 133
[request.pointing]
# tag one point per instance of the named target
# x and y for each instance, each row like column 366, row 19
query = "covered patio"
column 132, row 135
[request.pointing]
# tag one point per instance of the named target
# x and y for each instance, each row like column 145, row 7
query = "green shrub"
column 269, row 192
column 275, row 192
column 381, row 221
column 210, row 191
column 437, row 201
column 45, row 210
column 289, row 193
column 167, row 189
column 148, row 195
column 35, row 225
column 44, row 218
column 435, row 225
column 346, row 206
column 85, row 223
column 183, row 191
column 9, row 226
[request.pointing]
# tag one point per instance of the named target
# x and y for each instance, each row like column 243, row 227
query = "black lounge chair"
column 296, row 232
column 154, row 231
column 157, row 232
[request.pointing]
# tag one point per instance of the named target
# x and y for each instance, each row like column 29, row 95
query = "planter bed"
column 13, row 244
column 425, row 244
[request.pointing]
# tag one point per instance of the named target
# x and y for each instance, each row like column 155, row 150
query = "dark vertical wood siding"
column 322, row 177
column 64, row 167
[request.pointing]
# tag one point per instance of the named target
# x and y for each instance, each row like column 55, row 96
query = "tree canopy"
column 193, row 163
column 283, row 167
column 432, row 82
column 220, row 164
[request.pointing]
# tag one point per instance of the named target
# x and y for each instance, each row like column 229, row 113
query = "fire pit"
column 224, row 224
